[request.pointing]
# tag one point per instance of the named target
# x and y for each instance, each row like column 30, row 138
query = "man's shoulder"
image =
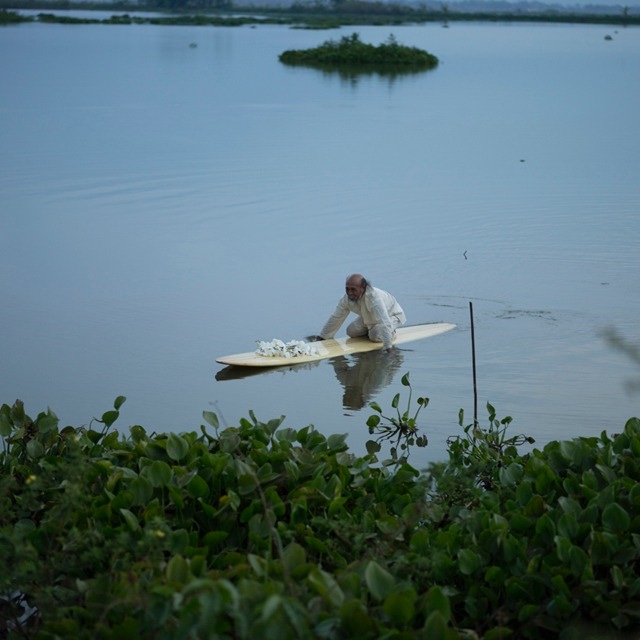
column 375, row 291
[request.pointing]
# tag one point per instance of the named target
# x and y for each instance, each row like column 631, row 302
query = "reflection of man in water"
column 364, row 374
column 379, row 313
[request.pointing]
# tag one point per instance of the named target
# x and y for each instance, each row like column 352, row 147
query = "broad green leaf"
column 158, row 473
column 545, row 478
column 336, row 441
column 261, row 525
column 326, row 587
column 405, row 380
column 287, row 435
column 355, row 621
column 177, row 447
column 373, row 421
column 270, row 608
column 198, row 488
column 335, row 506
column 176, row 495
column 579, row 562
column 563, row 548
column 379, row 581
column 24, row 527
column 511, row 475
column 179, row 541
column 211, row 418
column 373, row 447
column 247, row 483
column 141, row 489
column 615, row 517
column 197, row 565
column 213, row 538
column 35, row 448
column 568, row 526
column 297, row 616
column 177, row 570
column 468, row 561
column 316, row 545
column 109, row 417
column 399, row 608
column 293, row 555
column 130, row 519
column 47, row 423
column 119, row 401
column 607, row 472
column 94, row 436
column 569, row 505
column 519, row 523
column 229, row 441
column 273, row 424
column 420, row 542
column 18, row 415
column 545, row 530
column 258, row 564
column 5, row 425
column 435, row 626
column 528, row 611
column 138, row 434
column 634, row 495
column 495, row 576
column 617, row 577
column 559, row 606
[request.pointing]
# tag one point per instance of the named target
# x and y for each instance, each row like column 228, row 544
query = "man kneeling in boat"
column 379, row 313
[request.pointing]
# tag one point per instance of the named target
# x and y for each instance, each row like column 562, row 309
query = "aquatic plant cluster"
column 350, row 50
column 267, row 531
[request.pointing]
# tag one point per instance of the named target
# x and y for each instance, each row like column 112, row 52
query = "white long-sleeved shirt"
column 376, row 308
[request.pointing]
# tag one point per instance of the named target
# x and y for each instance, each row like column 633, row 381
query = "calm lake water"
column 164, row 204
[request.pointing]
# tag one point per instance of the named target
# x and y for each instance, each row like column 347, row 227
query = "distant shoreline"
column 349, row 13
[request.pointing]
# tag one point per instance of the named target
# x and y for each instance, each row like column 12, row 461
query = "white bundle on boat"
column 292, row 349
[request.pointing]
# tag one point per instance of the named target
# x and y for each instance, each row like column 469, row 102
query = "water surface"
column 164, row 204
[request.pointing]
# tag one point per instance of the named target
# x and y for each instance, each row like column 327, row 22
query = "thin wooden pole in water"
column 473, row 364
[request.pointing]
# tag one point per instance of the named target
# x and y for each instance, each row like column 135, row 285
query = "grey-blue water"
column 163, row 204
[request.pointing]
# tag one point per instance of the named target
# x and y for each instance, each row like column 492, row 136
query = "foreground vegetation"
column 265, row 531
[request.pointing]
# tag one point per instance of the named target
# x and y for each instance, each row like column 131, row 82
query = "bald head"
column 355, row 286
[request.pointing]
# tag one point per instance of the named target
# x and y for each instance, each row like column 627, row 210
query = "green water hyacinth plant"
column 263, row 530
column 401, row 428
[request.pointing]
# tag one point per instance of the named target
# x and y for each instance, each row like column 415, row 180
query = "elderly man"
column 379, row 313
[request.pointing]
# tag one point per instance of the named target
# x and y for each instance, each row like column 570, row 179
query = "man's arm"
column 335, row 320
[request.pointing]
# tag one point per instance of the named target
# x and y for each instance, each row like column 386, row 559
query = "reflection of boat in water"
column 233, row 372
column 363, row 375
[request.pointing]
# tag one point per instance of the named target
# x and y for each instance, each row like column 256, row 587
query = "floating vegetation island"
column 351, row 52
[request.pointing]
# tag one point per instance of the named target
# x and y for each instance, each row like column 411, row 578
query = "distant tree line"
column 334, row 13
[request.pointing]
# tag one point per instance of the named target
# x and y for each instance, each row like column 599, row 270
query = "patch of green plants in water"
column 12, row 17
column 180, row 20
column 400, row 429
column 352, row 53
column 267, row 531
